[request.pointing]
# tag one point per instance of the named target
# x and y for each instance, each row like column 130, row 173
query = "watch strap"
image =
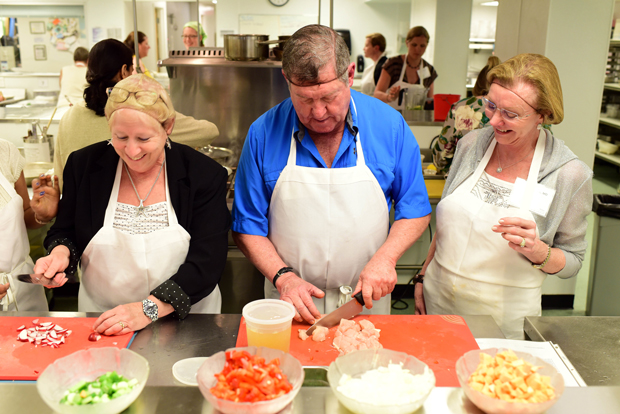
column 280, row 272
column 419, row 278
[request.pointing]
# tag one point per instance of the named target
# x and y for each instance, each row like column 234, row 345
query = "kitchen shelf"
column 611, row 158
column 612, row 87
column 614, row 122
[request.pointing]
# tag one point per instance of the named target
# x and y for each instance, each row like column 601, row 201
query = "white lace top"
column 492, row 190
column 127, row 219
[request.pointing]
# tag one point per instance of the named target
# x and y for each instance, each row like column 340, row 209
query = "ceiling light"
column 490, row 3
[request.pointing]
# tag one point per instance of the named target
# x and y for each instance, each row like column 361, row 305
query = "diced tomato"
column 248, row 378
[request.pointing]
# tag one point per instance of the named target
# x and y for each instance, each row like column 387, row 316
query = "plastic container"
column 607, row 147
column 443, row 102
column 268, row 323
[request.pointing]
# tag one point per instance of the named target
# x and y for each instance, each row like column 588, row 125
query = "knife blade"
column 37, row 279
column 350, row 309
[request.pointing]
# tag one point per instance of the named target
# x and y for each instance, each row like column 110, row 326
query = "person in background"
column 18, row 213
column 110, row 61
column 464, row 116
column 402, row 71
column 72, row 79
column 147, row 218
column 315, row 182
column 190, row 35
column 374, row 49
column 143, row 50
column 514, row 206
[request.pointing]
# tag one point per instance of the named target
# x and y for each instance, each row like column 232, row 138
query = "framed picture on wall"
column 40, row 53
column 37, row 27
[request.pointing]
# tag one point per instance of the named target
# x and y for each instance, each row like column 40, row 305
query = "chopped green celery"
column 105, row 388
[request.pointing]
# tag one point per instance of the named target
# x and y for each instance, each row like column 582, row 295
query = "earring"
column 168, row 143
column 539, row 127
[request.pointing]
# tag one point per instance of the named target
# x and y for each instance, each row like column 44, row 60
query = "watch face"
column 278, row 3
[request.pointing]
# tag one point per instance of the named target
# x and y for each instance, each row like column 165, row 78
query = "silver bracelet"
column 39, row 221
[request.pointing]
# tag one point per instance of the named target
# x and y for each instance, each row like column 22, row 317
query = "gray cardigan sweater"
column 565, row 225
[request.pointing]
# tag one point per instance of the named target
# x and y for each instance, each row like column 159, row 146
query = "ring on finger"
column 122, row 324
column 522, row 242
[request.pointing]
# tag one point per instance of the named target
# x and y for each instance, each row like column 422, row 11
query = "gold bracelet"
column 540, row 266
column 39, row 221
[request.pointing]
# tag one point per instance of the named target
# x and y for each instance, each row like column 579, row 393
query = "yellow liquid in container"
column 276, row 340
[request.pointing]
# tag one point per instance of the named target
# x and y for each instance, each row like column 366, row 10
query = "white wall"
column 423, row 13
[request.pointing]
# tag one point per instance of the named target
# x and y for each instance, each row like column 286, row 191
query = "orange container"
column 443, row 102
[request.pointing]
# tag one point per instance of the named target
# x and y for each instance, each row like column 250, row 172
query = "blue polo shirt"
column 390, row 150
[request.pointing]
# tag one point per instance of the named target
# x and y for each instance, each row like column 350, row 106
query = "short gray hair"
column 309, row 50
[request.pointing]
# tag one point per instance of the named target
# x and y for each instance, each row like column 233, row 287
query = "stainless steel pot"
column 246, row 47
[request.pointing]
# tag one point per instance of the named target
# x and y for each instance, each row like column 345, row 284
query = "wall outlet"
column 42, row 83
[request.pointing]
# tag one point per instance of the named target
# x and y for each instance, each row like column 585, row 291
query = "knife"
column 350, row 309
column 37, row 279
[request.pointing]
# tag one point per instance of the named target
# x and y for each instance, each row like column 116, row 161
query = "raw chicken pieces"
column 319, row 334
column 352, row 336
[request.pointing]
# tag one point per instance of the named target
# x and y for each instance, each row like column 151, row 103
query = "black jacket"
column 197, row 186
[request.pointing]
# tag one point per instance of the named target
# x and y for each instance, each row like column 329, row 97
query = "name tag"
column 424, row 73
column 541, row 200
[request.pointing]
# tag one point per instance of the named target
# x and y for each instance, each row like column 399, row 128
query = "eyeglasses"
column 189, row 36
column 120, row 95
column 506, row 114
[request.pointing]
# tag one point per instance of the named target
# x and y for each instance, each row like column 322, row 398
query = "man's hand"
column 377, row 279
column 45, row 197
column 298, row 293
column 420, row 305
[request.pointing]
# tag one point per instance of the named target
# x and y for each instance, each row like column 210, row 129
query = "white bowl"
column 290, row 366
column 88, row 365
column 468, row 363
column 606, row 147
column 359, row 362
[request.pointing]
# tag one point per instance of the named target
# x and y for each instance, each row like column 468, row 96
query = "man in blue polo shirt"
column 315, row 181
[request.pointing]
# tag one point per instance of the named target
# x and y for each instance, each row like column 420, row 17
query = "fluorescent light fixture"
column 490, row 3
column 214, row 2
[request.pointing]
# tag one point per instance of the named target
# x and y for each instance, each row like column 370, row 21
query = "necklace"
column 141, row 207
column 411, row 66
column 499, row 163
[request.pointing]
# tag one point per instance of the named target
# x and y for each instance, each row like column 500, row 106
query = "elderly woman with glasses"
column 514, row 206
column 146, row 217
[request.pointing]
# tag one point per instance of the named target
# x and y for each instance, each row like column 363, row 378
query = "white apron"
column 474, row 271
column 327, row 223
column 14, row 256
column 368, row 80
column 404, row 85
column 120, row 268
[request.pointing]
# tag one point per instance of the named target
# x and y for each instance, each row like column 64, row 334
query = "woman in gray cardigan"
column 513, row 208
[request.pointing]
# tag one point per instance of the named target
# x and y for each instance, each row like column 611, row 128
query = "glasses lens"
column 117, row 94
column 509, row 114
column 489, row 105
column 146, row 98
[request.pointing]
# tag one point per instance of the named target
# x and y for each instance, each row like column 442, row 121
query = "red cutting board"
column 22, row 361
column 437, row 340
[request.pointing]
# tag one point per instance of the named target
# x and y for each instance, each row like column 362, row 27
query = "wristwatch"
column 150, row 309
column 419, row 278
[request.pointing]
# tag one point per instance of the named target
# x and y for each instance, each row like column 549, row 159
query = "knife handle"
column 358, row 296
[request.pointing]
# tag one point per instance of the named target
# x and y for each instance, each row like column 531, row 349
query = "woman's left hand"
column 121, row 320
column 522, row 238
column 45, row 197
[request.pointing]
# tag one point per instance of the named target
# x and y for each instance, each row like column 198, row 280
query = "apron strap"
column 532, row 176
column 402, row 72
column 10, row 295
column 111, row 208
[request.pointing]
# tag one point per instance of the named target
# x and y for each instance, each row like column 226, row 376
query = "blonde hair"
column 418, row 31
column 162, row 110
column 539, row 72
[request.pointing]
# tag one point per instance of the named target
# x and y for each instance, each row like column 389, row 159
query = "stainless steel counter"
column 591, row 343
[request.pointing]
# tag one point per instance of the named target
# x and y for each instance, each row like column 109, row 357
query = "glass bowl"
column 87, row 365
column 468, row 363
column 215, row 364
column 359, row 362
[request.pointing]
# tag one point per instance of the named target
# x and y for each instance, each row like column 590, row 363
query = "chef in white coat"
column 147, row 217
column 514, row 206
column 17, row 213
column 315, row 181
column 374, row 49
